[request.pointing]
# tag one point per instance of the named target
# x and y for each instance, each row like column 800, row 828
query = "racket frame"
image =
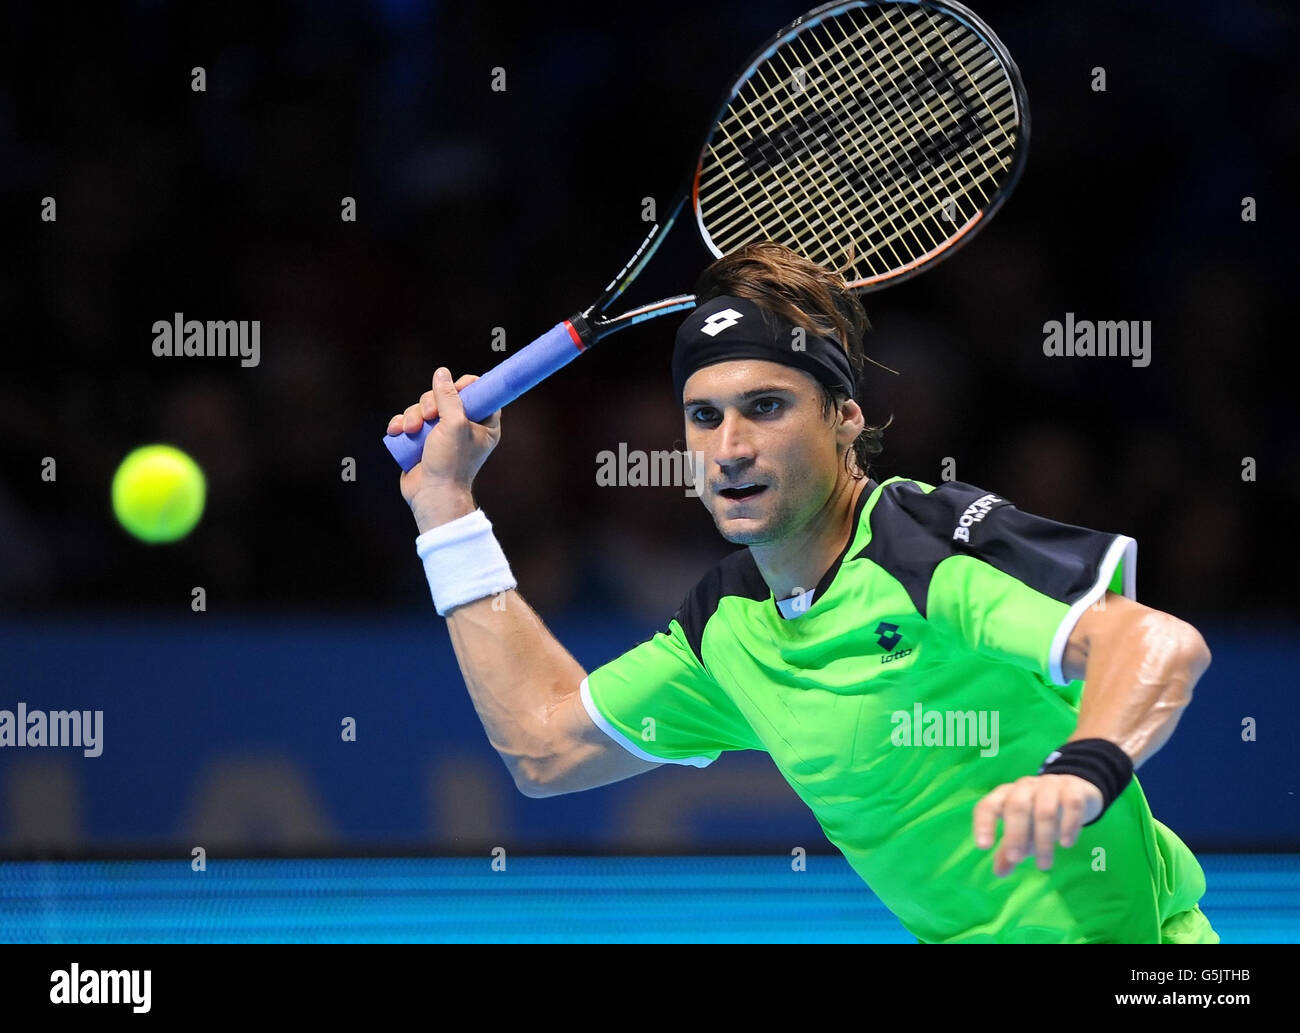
column 593, row 325
column 570, row 337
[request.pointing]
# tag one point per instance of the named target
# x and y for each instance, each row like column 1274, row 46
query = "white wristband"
column 463, row 562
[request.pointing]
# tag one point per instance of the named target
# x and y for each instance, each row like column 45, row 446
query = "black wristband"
column 1099, row 761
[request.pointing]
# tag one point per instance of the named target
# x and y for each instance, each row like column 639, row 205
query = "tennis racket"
column 871, row 138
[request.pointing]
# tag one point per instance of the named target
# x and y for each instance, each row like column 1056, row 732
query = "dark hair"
column 808, row 295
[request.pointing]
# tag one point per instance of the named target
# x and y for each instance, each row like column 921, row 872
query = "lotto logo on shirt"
column 975, row 512
column 888, row 638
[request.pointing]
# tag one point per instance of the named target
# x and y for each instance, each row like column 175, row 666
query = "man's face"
column 770, row 456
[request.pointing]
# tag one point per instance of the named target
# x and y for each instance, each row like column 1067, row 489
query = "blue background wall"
column 227, row 735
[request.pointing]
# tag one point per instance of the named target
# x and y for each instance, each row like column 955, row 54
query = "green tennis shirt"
column 922, row 672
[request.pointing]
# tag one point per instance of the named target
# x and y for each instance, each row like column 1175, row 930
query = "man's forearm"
column 516, row 672
column 1139, row 680
column 514, row 668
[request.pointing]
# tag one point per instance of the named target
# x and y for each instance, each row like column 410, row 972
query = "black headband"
column 726, row 328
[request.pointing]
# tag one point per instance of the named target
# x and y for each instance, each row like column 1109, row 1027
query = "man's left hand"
column 1037, row 812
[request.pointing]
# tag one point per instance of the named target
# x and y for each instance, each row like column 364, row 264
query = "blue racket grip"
column 500, row 385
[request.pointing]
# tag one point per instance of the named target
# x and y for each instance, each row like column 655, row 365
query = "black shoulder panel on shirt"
column 912, row 532
column 736, row 575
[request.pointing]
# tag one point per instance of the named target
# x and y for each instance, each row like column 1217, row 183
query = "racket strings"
column 808, row 221
column 886, row 96
column 991, row 68
column 933, row 118
column 842, row 231
column 820, row 206
column 923, row 215
column 897, row 141
column 765, row 106
column 895, row 146
column 866, row 143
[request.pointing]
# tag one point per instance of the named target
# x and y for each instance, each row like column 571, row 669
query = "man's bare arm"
column 1141, row 666
column 522, row 681
column 524, row 685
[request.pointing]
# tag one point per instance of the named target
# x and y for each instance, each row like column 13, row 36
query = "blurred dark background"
column 478, row 209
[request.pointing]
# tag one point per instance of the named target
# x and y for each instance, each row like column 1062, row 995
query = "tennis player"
column 922, row 662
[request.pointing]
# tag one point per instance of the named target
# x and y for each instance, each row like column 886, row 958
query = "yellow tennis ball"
column 158, row 493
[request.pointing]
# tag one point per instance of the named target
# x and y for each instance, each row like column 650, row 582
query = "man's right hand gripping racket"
column 871, row 138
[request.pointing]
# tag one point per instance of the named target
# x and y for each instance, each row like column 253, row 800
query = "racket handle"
column 500, row 385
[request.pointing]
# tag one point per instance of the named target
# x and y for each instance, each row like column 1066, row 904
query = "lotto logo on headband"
column 764, row 334
column 719, row 321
